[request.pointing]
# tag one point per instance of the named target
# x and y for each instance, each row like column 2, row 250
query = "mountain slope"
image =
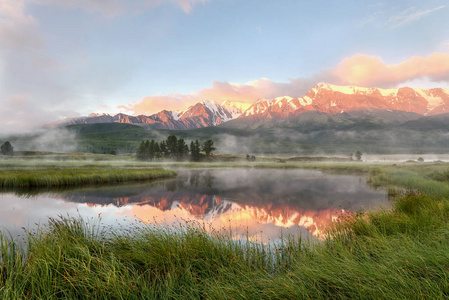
column 324, row 98
column 202, row 114
column 333, row 99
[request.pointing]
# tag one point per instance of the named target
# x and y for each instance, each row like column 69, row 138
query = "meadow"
column 399, row 253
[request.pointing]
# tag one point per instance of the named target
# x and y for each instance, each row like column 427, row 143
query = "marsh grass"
column 71, row 258
column 400, row 253
column 62, row 177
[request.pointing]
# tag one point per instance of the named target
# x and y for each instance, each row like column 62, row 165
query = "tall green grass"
column 72, row 259
column 400, row 253
column 61, row 177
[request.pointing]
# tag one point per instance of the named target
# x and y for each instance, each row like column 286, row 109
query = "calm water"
column 255, row 204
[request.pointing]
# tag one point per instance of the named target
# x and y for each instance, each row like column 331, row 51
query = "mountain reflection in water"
column 253, row 203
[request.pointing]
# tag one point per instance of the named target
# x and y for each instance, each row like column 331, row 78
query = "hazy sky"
column 63, row 58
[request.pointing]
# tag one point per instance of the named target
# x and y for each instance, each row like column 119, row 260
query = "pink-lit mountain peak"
column 333, row 99
column 324, row 97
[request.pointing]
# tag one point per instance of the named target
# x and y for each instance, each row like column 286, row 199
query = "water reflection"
column 255, row 204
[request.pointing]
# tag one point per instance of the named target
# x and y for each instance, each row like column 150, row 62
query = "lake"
column 254, row 204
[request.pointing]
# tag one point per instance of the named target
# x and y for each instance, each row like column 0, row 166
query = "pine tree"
column 195, row 151
column 192, row 150
column 146, row 150
column 164, row 150
column 172, row 146
column 7, row 149
column 157, row 150
column 151, row 151
column 208, row 147
column 140, row 155
column 181, row 149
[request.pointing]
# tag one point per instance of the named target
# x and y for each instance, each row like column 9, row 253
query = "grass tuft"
column 64, row 177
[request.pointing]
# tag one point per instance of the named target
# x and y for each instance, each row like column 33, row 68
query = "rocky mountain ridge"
column 333, row 99
column 325, row 98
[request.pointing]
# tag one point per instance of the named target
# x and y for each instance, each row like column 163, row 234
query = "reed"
column 63, row 177
column 74, row 259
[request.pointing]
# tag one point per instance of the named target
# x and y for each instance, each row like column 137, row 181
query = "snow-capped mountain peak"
column 235, row 108
column 333, row 99
column 324, row 97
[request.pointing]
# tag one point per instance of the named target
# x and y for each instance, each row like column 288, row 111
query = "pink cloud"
column 361, row 70
column 364, row 70
column 221, row 91
column 113, row 8
column 187, row 5
column 156, row 103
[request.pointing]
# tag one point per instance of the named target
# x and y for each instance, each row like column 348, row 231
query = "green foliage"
column 358, row 155
column 172, row 146
column 163, row 149
column 182, row 150
column 208, row 147
column 7, row 149
column 195, row 151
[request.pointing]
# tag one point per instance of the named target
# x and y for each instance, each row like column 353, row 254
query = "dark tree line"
column 174, row 148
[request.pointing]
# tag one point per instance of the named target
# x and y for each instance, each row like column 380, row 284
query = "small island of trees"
column 175, row 149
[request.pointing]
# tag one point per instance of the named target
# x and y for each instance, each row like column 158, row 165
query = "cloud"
column 18, row 31
column 410, row 15
column 221, row 91
column 360, row 70
column 157, row 103
column 113, row 8
column 109, row 8
column 18, row 114
column 187, row 5
column 367, row 70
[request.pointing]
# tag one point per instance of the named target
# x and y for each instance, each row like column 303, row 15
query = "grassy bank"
column 398, row 255
column 62, row 177
column 402, row 253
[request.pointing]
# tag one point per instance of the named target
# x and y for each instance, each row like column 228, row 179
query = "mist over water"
column 256, row 204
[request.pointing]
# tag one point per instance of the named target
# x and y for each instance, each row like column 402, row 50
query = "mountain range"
column 323, row 98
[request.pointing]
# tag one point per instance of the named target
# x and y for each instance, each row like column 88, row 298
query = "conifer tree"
column 146, row 150
column 208, row 147
column 163, row 148
column 7, row 149
column 172, row 146
column 358, row 155
column 157, row 150
column 183, row 149
column 140, row 155
column 195, row 151
column 151, row 152
column 192, row 150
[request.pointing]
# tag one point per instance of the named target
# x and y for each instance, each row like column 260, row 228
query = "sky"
column 68, row 58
